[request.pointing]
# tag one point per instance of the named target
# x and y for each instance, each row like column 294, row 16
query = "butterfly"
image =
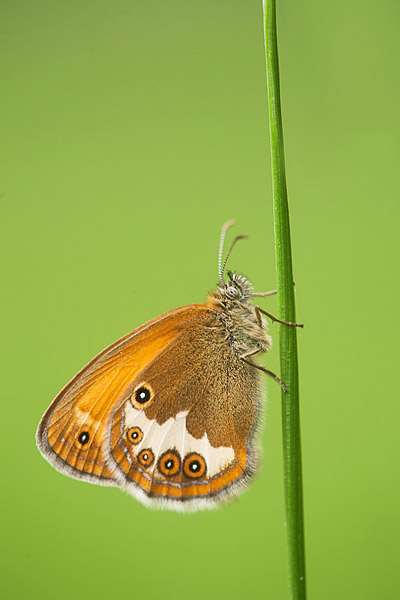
column 171, row 411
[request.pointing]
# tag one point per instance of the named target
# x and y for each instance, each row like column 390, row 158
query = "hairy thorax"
column 232, row 300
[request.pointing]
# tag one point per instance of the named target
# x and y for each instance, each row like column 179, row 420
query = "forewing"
column 73, row 434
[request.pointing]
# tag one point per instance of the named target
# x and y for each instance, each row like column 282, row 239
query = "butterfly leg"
column 265, row 294
column 260, row 311
column 260, row 368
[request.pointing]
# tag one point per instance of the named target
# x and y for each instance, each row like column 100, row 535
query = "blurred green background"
column 131, row 131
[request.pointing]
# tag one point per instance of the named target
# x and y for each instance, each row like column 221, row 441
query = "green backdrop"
column 131, row 131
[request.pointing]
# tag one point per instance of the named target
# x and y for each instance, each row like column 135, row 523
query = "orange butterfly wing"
column 73, row 434
column 168, row 412
column 183, row 436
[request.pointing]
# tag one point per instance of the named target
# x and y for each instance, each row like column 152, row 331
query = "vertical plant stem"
column 288, row 335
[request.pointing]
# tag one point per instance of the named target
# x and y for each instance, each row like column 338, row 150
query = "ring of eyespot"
column 146, row 457
column 194, row 466
column 169, row 463
column 142, row 395
column 134, row 435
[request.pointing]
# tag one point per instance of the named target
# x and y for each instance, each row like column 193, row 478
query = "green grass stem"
column 286, row 307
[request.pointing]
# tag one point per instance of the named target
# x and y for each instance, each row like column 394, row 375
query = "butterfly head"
column 232, row 295
column 237, row 289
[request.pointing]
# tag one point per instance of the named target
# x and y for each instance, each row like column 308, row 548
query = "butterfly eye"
column 232, row 291
column 83, row 437
column 194, row 466
column 146, row 457
column 134, row 435
column 169, row 463
column 141, row 396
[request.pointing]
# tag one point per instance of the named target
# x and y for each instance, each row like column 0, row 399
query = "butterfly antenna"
column 237, row 238
column 224, row 229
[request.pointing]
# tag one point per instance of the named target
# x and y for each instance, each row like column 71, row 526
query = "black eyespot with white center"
column 134, row 435
column 84, row 438
column 169, row 463
column 146, row 458
column 142, row 396
column 194, row 466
